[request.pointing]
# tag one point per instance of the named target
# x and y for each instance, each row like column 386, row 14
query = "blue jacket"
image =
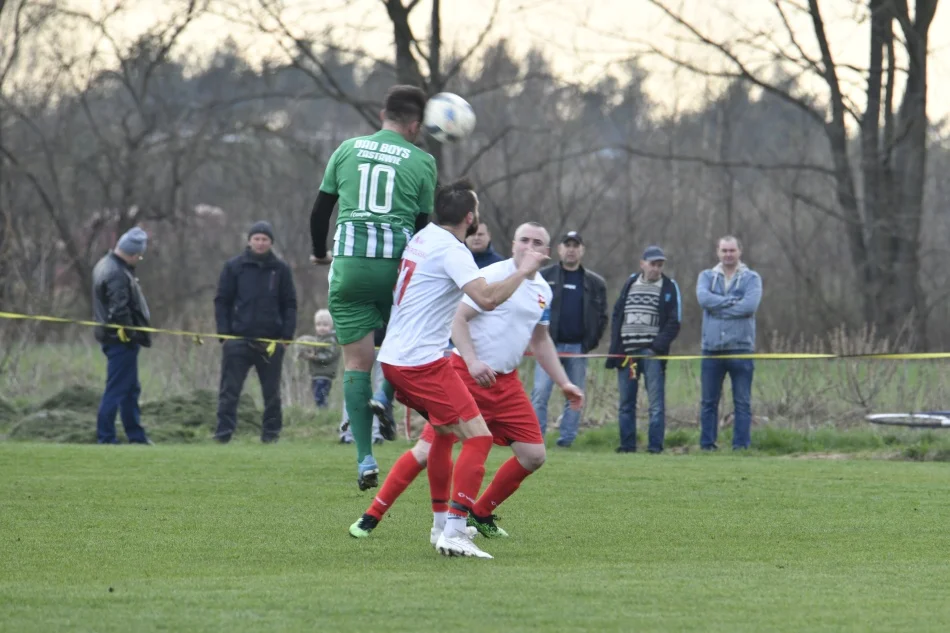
column 256, row 298
column 487, row 257
column 670, row 313
column 729, row 316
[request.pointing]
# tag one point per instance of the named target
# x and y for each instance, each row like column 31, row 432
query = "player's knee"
column 475, row 427
column 532, row 458
column 421, row 453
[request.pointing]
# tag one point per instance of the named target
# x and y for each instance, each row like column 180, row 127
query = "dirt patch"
column 56, row 425
column 73, row 398
column 70, row 417
column 193, row 417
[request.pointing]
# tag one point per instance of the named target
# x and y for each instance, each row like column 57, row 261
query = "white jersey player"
column 436, row 270
column 489, row 347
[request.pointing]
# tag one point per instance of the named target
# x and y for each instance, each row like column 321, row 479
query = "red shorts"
column 434, row 387
column 505, row 407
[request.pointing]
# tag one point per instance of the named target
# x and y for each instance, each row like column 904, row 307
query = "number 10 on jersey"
column 370, row 176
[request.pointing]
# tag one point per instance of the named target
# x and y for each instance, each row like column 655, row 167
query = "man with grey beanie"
column 256, row 299
column 117, row 299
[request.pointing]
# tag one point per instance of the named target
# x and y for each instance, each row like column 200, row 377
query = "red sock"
column 503, row 485
column 404, row 471
column 440, row 471
column 469, row 473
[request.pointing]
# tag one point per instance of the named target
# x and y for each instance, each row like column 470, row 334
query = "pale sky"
column 584, row 40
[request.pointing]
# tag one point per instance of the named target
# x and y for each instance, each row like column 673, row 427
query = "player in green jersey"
column 385, row 187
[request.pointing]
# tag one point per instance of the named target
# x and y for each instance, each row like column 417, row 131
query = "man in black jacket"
column 480, row 244
column 255, row 299
column 646, row 320
column 117, row 299
column 578, row 321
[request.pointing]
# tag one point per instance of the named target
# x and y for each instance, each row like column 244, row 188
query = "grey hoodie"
column 729, row 313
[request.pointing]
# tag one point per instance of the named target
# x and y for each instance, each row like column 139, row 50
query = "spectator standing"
column 729, row 295
column 578, row 321
column 117, row 299
column 256, row 299
column 646, row 320
column 322, row 361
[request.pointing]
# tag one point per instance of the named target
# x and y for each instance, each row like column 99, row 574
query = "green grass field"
column 252, row 538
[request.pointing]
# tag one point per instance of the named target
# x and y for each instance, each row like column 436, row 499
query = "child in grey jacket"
column 323, row 360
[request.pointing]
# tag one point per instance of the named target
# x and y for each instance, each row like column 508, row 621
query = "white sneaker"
column 435, row 533
column 460, row 545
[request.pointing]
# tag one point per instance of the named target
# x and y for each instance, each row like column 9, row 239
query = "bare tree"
column 882, row 208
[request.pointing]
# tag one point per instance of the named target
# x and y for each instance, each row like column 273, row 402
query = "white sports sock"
column 454, row 526
column 438, row 519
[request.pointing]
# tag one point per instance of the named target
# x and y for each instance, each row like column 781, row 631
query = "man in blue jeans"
column 729, row 295
column 578, row 321
column 117, row 299
column 646, row 320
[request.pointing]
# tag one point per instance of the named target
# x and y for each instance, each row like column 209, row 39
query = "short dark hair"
column 454, row 201
column 729, row 238
column 405, row 104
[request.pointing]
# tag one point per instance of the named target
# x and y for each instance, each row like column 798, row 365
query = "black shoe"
column 387, row 424
column 711, row 447
column 364, row 526
column 654, row 451
column 222, row 439
column 621, row 449
column 269, row 439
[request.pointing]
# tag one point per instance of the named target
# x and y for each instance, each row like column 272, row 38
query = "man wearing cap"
column 256, row 299
column 578, row 321
column 646, row 320
column 117, row 299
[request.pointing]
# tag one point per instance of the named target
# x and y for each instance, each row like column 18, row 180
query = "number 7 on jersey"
column 406, row 268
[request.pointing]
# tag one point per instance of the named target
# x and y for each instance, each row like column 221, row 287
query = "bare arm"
column 489, row 296
column 462, row 338
column 461, row 334
column 546, row 354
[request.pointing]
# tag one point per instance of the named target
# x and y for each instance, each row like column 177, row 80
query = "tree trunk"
column 407, row 66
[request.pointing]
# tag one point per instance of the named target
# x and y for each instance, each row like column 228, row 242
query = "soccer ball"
column 448, row 117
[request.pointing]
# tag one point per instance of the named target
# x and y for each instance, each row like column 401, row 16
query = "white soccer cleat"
column 435, row 533
column 460, row 545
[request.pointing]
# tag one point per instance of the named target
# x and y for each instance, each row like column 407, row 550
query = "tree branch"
column 454, row 70
column 743, row 72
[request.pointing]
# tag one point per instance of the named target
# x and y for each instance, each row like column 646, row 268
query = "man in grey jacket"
column 729, row 295
column 117, row 299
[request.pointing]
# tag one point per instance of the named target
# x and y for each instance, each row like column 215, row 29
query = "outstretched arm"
column 546, row 354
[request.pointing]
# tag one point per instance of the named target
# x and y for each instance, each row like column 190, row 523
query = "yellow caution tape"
column 627, row 359
column 124, row 329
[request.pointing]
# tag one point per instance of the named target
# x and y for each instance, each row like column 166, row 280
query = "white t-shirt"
column 502, row 335
column 434, row 267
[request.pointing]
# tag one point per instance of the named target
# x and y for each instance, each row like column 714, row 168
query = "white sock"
column 454, row 526
column 438, row 519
